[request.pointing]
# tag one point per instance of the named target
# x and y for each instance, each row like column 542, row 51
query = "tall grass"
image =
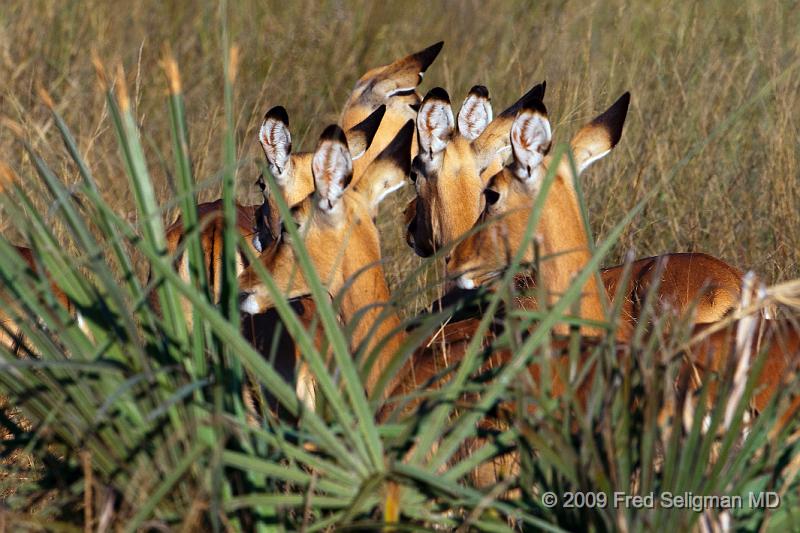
column 140, row 422
column 687, row 65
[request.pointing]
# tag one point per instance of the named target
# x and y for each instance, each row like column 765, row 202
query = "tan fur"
column 564, row 245
column 452, row 197
column 396, row 115
column 344, row 246
column 686, row 280
column 338, row 251
column 375, row 88
column 450, row 190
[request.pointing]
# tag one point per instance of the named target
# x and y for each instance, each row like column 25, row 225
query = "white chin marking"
column 257, row 244
column 465, row 283
column 250, row 306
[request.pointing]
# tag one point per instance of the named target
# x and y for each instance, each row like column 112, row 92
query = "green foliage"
column 157, row 408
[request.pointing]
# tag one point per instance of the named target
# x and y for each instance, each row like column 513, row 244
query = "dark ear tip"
column 530, row 100
column 533, row 100
column 277, row 113
column 625, row 100
column 428, row 55
column 333, row 133
column 369, row 126
column 437, row 93
column 537, row 92
column 614, row 118
column 399, row 150
column 479, row 90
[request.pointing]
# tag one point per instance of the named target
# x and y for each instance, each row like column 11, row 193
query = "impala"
column 11, row 336
column 395, row 86
column 778, row 342
column 260, row 225
column 382, row 101
column 529, row 135
column 342, row 240
column 448, row 167
column 292, row 171
column 445, row 208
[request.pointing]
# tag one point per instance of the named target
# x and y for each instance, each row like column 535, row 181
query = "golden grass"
column 689, row 66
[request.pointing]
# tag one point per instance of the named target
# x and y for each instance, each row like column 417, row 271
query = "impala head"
column 292, row 171
column 511, row 193
column 395, row 86
column 339, row 232
column 455, row 158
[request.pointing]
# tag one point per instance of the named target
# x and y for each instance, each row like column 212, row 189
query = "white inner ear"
column 530, row 138
column 277, row 144
column 475, row 115
column 435, row 126
column 332, row 165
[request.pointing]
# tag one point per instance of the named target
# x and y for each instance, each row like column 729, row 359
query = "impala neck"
column 568, row 246
column 364, row 302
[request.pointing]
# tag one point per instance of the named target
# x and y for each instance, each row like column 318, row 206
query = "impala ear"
column 332, row 167
column 597, row 138
column 387, row 173
column 275, row 139
column 435, row 122
column 406, row 73
column 360, row 136
column 493, row 144
column 475, row 114
column 530, row 140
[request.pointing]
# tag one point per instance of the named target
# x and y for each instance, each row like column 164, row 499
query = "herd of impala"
column 477, row 178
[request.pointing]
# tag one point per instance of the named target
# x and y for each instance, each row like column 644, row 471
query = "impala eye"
column 413, row 176
column 492, row 196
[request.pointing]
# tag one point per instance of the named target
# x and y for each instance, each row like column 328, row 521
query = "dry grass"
column 689, row 67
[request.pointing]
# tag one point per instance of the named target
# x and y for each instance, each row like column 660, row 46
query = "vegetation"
column 140, row 424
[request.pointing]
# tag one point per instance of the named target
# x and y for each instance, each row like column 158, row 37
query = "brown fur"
column 11, row 336
column 686, row 279
column 212, row 221
column 430, row 367
column 778, row 340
